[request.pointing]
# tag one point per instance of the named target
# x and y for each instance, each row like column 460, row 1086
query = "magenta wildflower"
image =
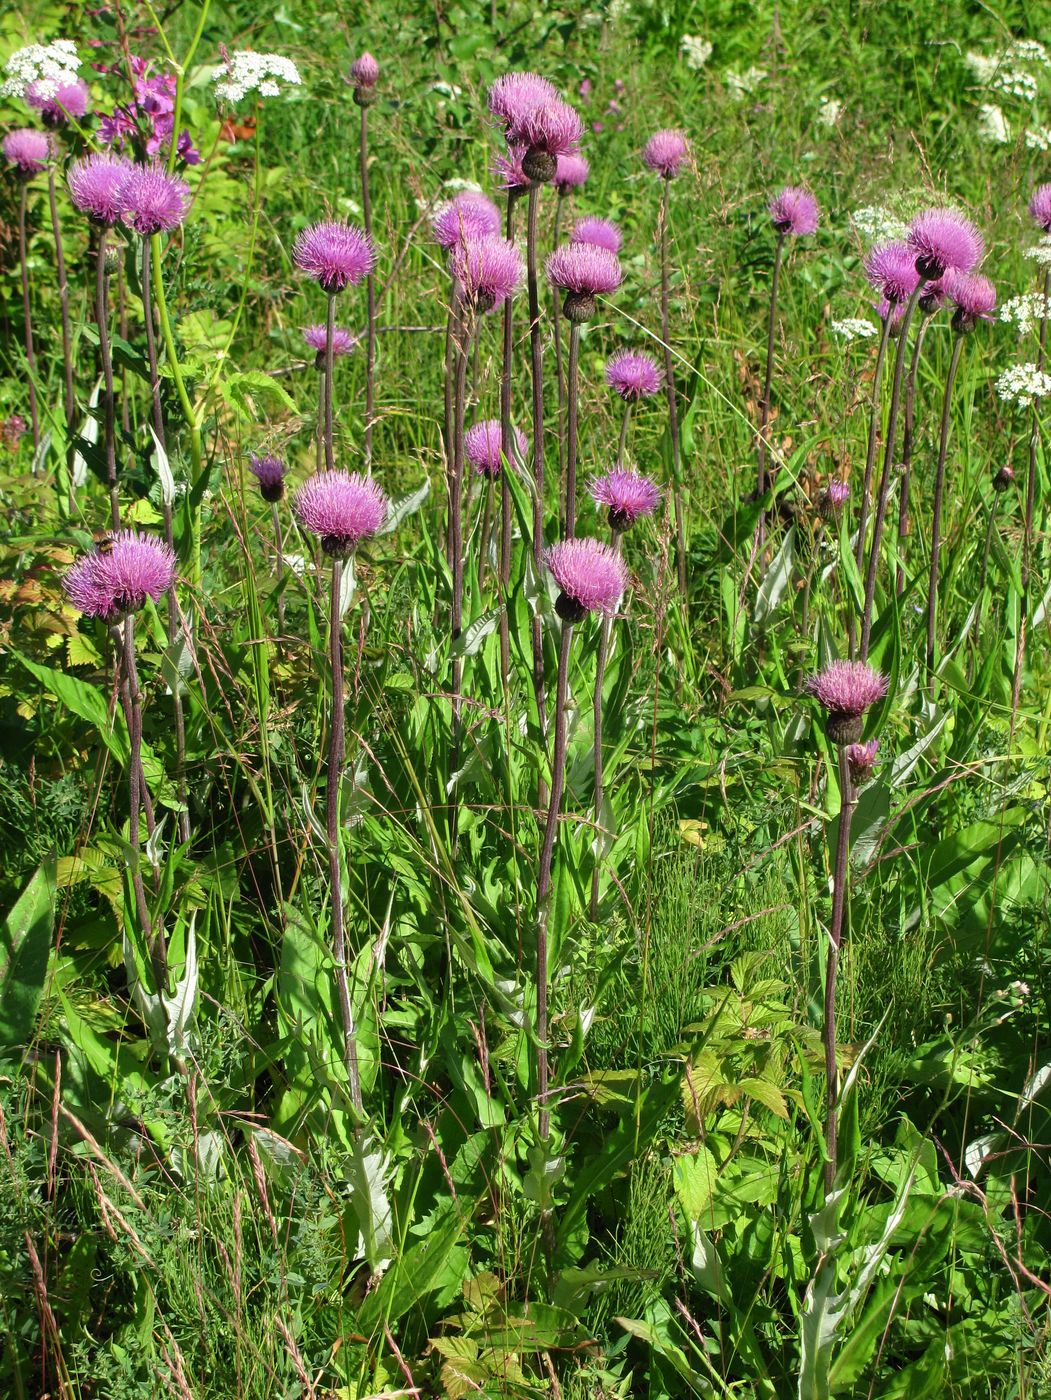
column 665, row 152
column 628, row 495
column 342, row 508
column 488, row 270
column 846, row 689
column 27, row 150
column 365, row 71
column 11, row 430
column 974, row 297
column 514, row 94
column 1040, row 207
column 633, row 376
column 862, row 759
column 583, row 271
column 343, row 341
column 548, row 131
column 894, row 309
column 68, row 101
column 603, row 233
column 941, row 239
column 481, row 445
column 117, row 579
column 932, row 297
column 470, row 215
column 507, row 170
column 152, row 201
column 891, row 268
column 794, row 211
column 592, row 577
column 834, row 497
column 95, row 186
column 334, row 255
column 270, row 473
column 571, row 171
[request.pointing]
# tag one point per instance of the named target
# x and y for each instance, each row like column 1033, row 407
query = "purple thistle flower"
column 152, row 201
column 592, row 578
column 794, row 211
column 932, row 297
column 343, row 341
column 548, row 131
column 1040, row 207
column 628, row 495
column 834, row 497
column 270, row 473
column 507, row 170
column 862, row 759
column 68, row 101
column 96, row 184
column 894, row 309
column 481, row 445
column 364, row 71
column 891, row 268
column 941, row 239
column 334, row 255
column 665, row 152
column 846, row 689
column 117, row 579
column 633, row 376
column 583, row 271
column 570, row 172
column 974, row 297
column 342, row 508
column 488, row 270
column 603, row 233
column 513, row 94
column 27, row 150
column 469, row 215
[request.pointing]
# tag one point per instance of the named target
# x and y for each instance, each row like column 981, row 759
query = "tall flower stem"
column 336, row 755
column 875, row 416
column 169, row 539
column 622, row 445
column 485, row 526
column 279, row 545
column 330, row 369
column 454, row 335
column 543, row 886
column 537, row 370
column 155, row 939
column 848, row 800
column 600, row 676
column 506, row 453
column 572, row 375
column 27, row 312
column 370, row 343
column 447, row 383
column 764, row 404
column 463, row 352
column 669, row 380
column 936, row 514
column 906, row 449
column 63, row 299
column 560, row 378
column 109, row 432
column 1030, row 508
column 884, row 484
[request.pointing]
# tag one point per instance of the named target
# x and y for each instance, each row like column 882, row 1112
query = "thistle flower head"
column 96, row 184
column 633, row 375
column 514, row 94
column 27, row 150
column 861, row 759
column 583, row 271
column 342, row 508
column 69, row 101
column 469, row 215
column 941, row 239
column 628, row 495
column 891, row 268
column 343, row 341
column 547, row 131
column 118, row 578
column 665, row 152
column 482, row 446
column 592, row 577
column 152, row 201
column 794, row 211
column 270, row 473
column 334, row 255
column 1040, row 207
column 365, row 71
column 835, row 497
column 846, row 689
column 603, row 233
column 507, row 170
column 974, row 297
column 570, row 172
column 488, row 271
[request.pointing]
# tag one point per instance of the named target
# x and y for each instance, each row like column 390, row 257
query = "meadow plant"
column 571, row 173
column 68, row 102
column 603, row 233
column 633, row 376
column 364, row 73
column 28, row 153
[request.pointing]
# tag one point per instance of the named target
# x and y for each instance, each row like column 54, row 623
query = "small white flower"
column 1026, row 51
column 829, row 111
column 1016, row 83
column 740, row 84
column 877, row 224
column 1021, row 384
column 46, row 67
column 982, row 66
column 1025, row 311
column 696, row 50
column 456, row 184
column 262, row 73
column 1041, row 253
column 992, row 125
column 853, row 328
column 1038, row 138
column 618, row 9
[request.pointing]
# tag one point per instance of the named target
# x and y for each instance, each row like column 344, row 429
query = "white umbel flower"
column 1041, row 253
column 853, row 328
column 44, row 67
column 262, row 73
column 877, row 224
column 1021, row 384
column 992, row 125
column 696, row 51
column 1038, row 138
column 1025, row 311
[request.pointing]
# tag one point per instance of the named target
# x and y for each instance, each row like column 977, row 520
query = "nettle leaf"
column 238, row 390
column 25, row 948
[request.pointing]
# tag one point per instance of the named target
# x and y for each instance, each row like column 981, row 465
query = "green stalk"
column 180, row 80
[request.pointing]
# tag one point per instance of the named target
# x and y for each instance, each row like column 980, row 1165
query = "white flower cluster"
column 1016, row 82
column 247, row 72
column 829, row 111
column 46, row 67
column 1027, row 51
column 992, row 125
column 1041, row 253
column 853, row 328
column 1025, row 311
column 1038, row 138
column 1021, row 384
column 982, row 65
column 740, row 84
column 877, row 224
column 696, row 51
